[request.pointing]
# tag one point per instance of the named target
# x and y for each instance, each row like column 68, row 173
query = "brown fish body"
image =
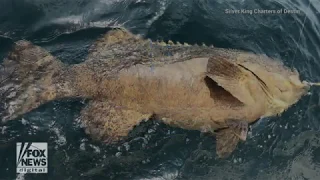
column 179, row 93
column 129, row 79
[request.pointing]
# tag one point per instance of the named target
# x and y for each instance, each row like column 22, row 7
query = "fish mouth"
column 307, row 86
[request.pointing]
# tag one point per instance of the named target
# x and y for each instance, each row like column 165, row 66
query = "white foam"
column 24, row 121
column 164, row 176
column 110, row 2
column 3, row 130
column 96, row 149
column 82, row 146
column 127, row 146
column 82, row 23
column 61, row 139
column 75, row 19
column 20, row 176
column 118, row 154
column 163, row 6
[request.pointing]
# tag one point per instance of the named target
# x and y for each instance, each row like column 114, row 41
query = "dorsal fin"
column 241, row 83
column 119, row 49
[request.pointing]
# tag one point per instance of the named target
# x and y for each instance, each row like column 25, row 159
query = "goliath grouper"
column 129, row 79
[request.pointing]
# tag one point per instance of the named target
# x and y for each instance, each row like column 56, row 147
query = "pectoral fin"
column 226, row 142
column 227, row 139
column 240, row 128
column 232, row 77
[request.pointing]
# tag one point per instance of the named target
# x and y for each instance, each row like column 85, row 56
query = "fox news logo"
column 32, row 157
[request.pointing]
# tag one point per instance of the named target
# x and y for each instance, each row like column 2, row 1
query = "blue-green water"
column 285, row 147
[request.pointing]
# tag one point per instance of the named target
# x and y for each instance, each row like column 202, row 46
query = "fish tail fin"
column 26, row 79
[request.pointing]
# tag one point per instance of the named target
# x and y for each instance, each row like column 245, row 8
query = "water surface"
column 285, row 147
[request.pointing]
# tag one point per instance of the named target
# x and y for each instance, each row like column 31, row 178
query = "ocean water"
column 285, row 147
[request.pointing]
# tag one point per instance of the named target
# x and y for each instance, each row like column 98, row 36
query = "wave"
column 66, row 16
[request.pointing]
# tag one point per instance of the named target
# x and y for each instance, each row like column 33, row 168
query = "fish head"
column 281, row 85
